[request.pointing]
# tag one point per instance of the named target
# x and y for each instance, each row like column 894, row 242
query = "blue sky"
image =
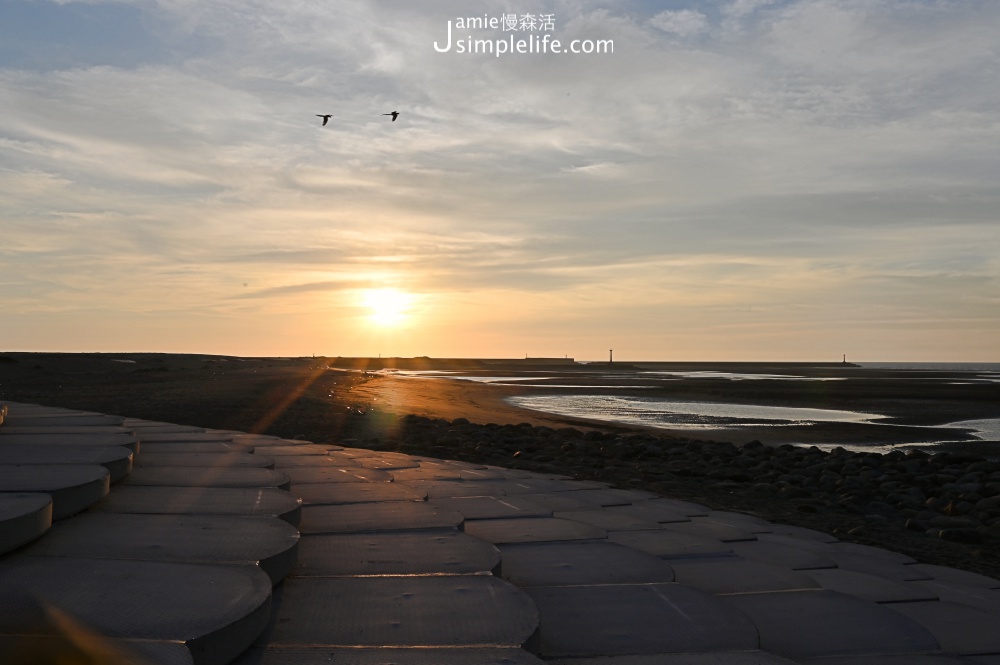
column 740, row 179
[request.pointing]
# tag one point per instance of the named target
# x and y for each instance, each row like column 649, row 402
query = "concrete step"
column 62, row 420
column 72, row 487
column 205, row 460
column 268, row 542
column 197, row 447
column 215, row 611
column 127, row 440
column 116, row 459
column 250, row 501
column 23, row 518
column 181, row 437
column 387, row 655
column 401, row 553
column 421, row 611
column 185, row 476
column 94, row 429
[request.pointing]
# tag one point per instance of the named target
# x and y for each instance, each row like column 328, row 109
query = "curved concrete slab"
column 608, row 520
column 202, row 447
column 409, row 474
column 182, row 476
column 876, row 565
column 608, row 620
column 870, row 587
column 945, row 574
column 803, row 533
column 285, row 461
column 388, row 464
column 963, row 594
column 708, row 529
column 908, row 659
column 584, row 562
column 216, row 611
column 532, row 530
column 574, row 500
column 298, row 450
column 840, row 549
column 488, row 507
column 72, row 487
column 353, row 453
column 732, row 574
column 324, row 474
column 676, row 505
column 156, row 426
column 670, row 544
column 650, row 513
column 716, row 658
column 376, row 517
column 313, row 494
column 205, row 460
column 808, row 624
column 182, row 437
column 62, row 420
column 444, row 489
column 746, row 522
column 215, row 539
column 116, row 459
column 126, row 440
column 401, row 553
column 250, row 501
column 780, row 554
column 472, row 610
column 66, row 431
column 478, row 474
column 23, row 518
column 387, row 656
column 959, row 628
column 539, row 485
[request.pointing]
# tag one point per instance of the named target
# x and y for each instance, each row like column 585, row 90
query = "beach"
column 907, row 503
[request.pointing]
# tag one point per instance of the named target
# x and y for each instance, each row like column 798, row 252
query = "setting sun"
column 387, row 307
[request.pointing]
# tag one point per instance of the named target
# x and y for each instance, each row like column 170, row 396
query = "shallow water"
column 987, row 429
column 740, row 376
column 667, row 414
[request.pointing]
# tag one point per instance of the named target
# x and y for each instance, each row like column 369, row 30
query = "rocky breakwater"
column 945, row 496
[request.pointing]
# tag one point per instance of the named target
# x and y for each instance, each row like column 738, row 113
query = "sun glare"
column 387, row 307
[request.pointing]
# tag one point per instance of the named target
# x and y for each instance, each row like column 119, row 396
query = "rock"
column 961, row 535
column 946, row 522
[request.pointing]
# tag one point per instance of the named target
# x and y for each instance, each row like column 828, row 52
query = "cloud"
column 683, row 23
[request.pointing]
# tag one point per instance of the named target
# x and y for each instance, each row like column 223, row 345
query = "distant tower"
column 611, row 356
column 845, row 358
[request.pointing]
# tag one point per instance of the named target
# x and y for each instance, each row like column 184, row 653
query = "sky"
column 715, row 180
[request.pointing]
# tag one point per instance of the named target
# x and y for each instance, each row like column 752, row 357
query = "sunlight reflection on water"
column 676, row 414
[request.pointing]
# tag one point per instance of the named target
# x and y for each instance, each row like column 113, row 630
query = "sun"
column 387, row 307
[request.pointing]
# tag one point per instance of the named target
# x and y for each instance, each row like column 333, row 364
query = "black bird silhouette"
column 325, row 118
column 394, row 115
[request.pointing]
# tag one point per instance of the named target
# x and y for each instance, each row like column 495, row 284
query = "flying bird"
column 326, row 118
column 394, row 114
